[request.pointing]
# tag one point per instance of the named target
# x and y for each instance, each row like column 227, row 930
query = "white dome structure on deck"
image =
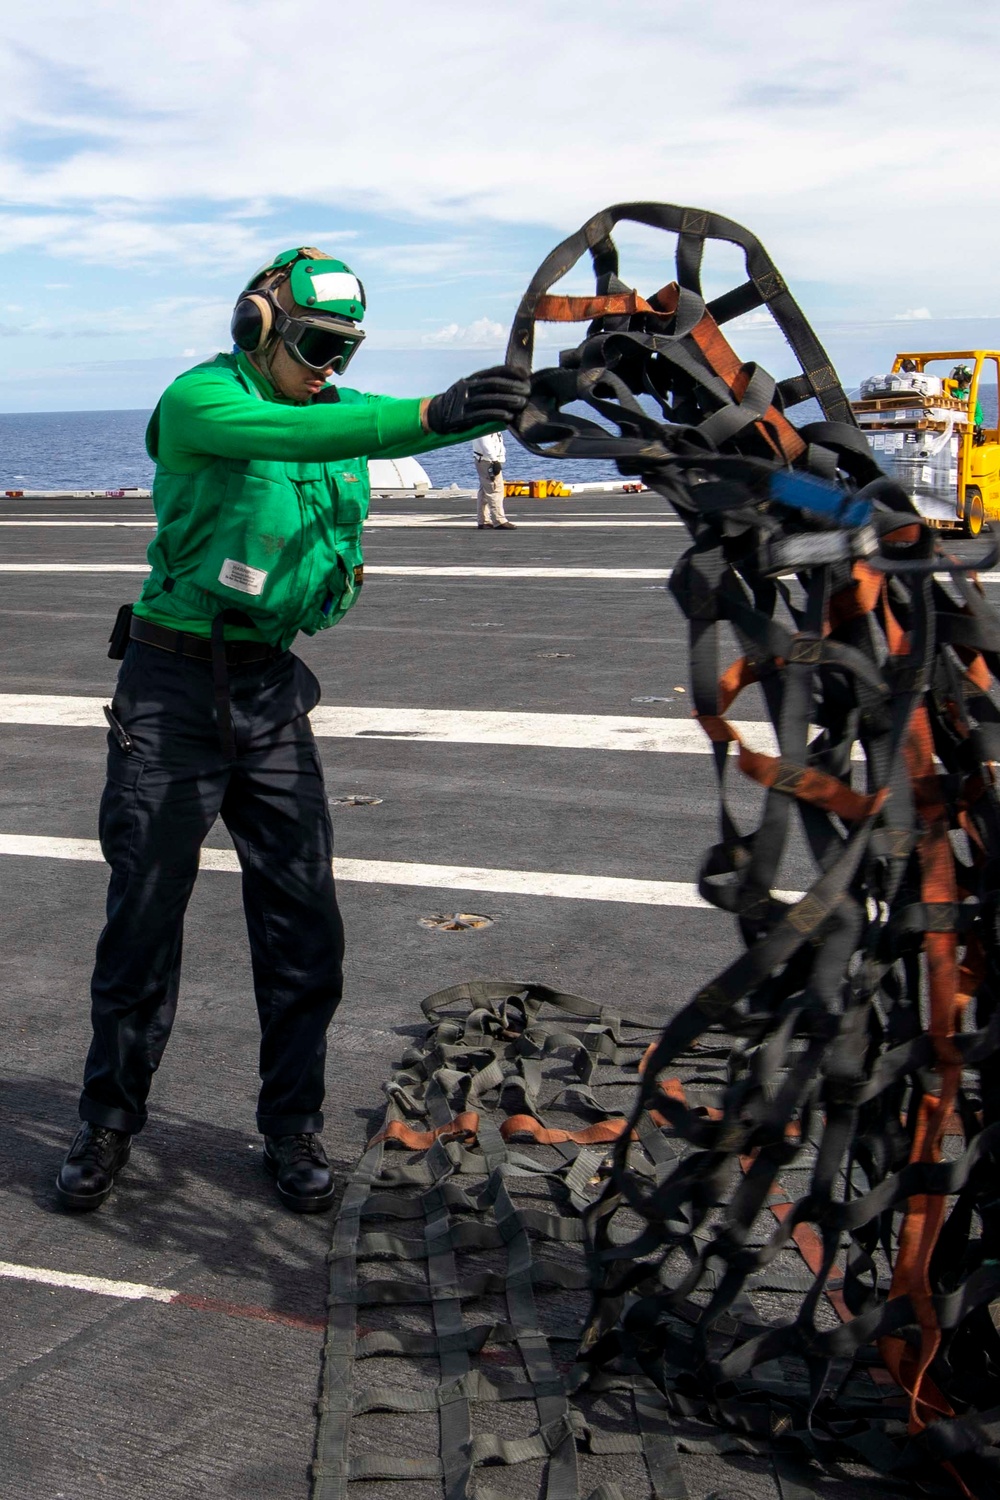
column 394, row 476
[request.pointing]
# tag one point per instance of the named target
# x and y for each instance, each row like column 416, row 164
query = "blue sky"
column 153, row 156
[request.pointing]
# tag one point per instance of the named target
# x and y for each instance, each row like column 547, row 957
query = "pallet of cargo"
column 922, row 424
column 907, row 399
column 912, row 414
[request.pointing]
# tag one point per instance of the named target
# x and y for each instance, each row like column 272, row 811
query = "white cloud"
column 914, row 314
column 205, row 319
column 758, row 320
column 809, row 142
column 408, row 265
column 188, row 139
column 110, row 236
column 484, row 333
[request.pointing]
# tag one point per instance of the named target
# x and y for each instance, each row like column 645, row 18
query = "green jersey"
column 260, row 502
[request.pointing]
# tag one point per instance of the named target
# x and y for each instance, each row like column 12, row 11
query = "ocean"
column 103, row 450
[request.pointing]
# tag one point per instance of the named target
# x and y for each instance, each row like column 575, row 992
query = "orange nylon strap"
column 896, row 636
column 859, row 597
column 718, row 729
column 810, row 1247
column 810, row 785
column 720, row 354
column 904, row 537
column 803, row 782
column 976, row 669
column 553, row 309
column 723, row 359
column 465, row 1124
column 925, row 1213
column 739, row 674
column 587, row 1135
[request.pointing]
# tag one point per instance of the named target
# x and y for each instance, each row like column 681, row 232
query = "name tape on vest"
column 239, row 575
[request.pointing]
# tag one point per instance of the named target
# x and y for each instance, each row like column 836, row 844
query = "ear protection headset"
column 253, row 321
column 254, row 314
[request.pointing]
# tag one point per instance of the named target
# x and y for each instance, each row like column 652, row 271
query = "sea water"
column 104, row 450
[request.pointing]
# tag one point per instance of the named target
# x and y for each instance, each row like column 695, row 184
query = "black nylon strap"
column 782, row 1197
column 546, row 426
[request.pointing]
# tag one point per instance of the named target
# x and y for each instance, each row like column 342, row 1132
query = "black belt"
column 180, row 643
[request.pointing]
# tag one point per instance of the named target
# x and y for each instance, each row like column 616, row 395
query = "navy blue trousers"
column 158, row 805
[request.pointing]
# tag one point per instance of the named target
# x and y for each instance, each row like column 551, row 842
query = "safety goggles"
column 319, row 343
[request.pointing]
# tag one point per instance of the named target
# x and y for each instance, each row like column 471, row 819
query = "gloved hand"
column 496, row 469
column 489, row 396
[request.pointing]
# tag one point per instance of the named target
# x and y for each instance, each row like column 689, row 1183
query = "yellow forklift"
column 925, row 424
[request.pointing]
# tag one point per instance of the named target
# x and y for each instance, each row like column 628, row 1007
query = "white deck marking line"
column 594, row 514
column 610, row 888
column 132, row 1291
column 418, row 517
column 373, row 523
column 387, row 570
column 440, row 726
column 138, row 1291
column 412, row 570
column 514, row 571
column 74, row 567
column 417, row 570
column 133, row 524
column 403, row 523
column 17, row 518
column 75, row 515
column 452, row 726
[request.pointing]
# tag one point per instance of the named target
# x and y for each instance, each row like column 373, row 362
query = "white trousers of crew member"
column 489, row 501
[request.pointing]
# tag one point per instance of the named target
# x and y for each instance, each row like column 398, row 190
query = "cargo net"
column 783, row 1209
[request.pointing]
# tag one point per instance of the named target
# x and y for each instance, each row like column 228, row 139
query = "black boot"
column 304, row 1179
column 92, row 1163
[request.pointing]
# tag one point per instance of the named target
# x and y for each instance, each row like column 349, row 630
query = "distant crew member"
column 962, row 377
column 490, row 456
column 260, row 493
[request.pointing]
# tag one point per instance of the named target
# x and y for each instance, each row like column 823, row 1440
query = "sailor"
column 260, row 493
column 490, row 455
column 961, row 375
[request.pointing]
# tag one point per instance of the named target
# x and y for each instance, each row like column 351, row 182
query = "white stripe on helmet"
column 336, row 286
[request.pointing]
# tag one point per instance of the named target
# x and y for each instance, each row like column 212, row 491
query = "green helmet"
column 322, row 329
column 318, row 282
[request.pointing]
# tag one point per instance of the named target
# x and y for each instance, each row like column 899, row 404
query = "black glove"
column 494, row 396
column 496, row 469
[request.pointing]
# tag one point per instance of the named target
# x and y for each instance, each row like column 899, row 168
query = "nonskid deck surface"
column 168, row 1345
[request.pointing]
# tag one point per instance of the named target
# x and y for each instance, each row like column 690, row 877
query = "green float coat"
column 260, row 502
